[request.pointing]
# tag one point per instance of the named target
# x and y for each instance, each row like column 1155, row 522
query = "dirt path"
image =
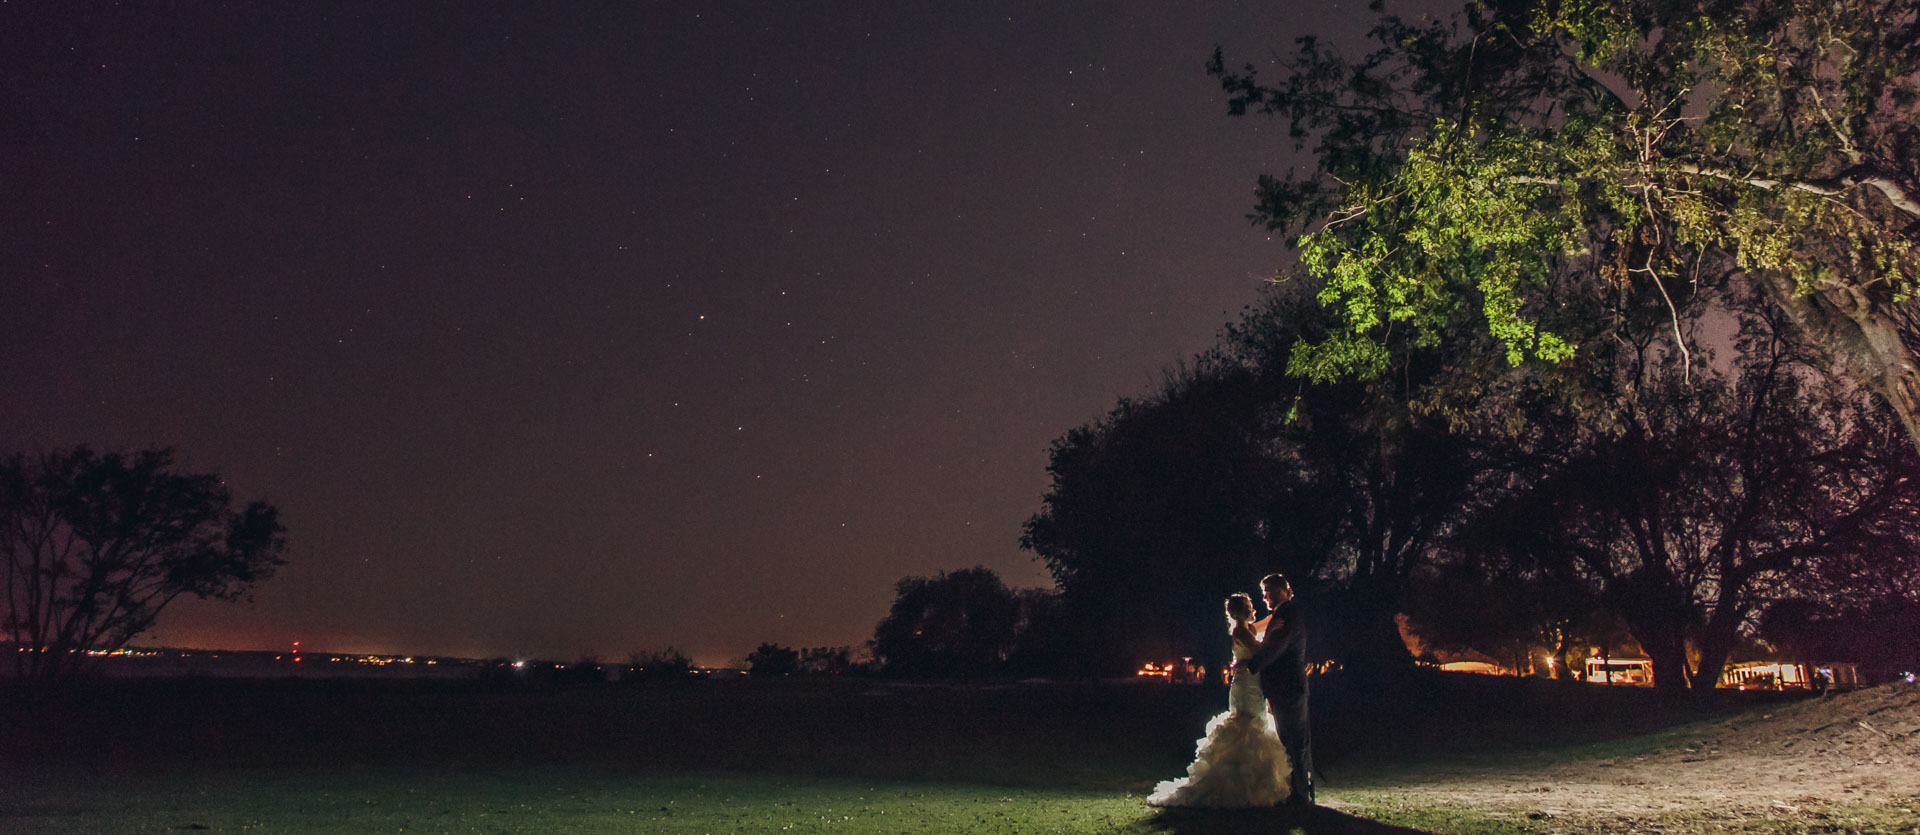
column 1808, row 761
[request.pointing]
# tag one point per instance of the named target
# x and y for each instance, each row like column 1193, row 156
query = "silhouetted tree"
column 1233, row 471
column 1717, row 497
column 1854, row 609
column 1046, row 644
column 668, row 663
column 587, row 670
column 96, row 546
column 773, row 660
column 1383, row 491
column 1505, row 610
column 827, row 660
column 958, row 623
column 1155, row 514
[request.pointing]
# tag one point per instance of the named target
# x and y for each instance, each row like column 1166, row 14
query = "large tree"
column 1156, row 513
column 1506, row 606
column 96, row 546
column 1861, row 608
column 1714, row 498
column 1624, row 148
column 955, row 624
column 1232, row 471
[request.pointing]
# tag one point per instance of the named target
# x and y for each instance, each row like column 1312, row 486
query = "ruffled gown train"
column 1240, row 763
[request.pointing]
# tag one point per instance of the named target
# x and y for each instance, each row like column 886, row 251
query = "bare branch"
column 1895, row 193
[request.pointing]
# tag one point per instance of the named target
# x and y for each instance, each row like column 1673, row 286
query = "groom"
column 1281, row 661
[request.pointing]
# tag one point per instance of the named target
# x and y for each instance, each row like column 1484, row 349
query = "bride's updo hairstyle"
column 1239, row 607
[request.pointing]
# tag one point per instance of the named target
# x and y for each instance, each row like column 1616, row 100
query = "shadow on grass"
column 1319, row 820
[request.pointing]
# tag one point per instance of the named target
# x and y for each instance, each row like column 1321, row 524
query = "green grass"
column 551, row 799
column 789, row 756
column 532, row 799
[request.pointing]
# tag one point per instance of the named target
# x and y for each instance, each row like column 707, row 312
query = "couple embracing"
column 1260, row 751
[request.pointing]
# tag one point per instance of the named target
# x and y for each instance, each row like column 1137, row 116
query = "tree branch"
column 1898, row 195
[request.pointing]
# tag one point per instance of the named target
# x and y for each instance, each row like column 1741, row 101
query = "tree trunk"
column 1562, row 655
column 1721, row 630
column 1861, row 332
column 1664, row 637
column 1668, row 652
column 1388, row 647
column 1376, row 645
column 1715, row 645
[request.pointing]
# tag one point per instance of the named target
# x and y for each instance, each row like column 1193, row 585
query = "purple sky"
column 586, row 328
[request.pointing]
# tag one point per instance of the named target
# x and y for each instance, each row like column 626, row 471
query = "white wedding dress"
column 1240, row 763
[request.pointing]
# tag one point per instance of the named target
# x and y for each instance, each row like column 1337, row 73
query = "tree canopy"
column 96, row 546
column 1492, row 166
column 770, row 659
column 1714, row 500
column 957, row 623
column 1681, row 505
column 1231, row 471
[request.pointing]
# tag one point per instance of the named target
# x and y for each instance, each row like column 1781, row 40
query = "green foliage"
column 1441, row 232
column 1601, row 31
column 1482, row 170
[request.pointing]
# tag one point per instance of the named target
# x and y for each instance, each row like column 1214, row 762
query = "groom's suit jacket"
column 1281, row 659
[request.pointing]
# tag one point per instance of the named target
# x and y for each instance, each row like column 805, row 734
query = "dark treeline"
column 1699, row 506
column 771, row 659
column 1637, row 498
column 956, row 624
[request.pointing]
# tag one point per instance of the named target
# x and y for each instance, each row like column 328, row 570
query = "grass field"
column 817, row 756
column 554, row 799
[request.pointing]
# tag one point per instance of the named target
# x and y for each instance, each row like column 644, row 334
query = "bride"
column 1240, row 763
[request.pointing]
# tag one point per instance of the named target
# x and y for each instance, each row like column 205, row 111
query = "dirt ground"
column 1796, row 765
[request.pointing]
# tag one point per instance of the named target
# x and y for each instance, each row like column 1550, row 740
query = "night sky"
column 582, row 328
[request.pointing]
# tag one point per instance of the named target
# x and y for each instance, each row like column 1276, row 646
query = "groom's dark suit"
column 1281, row 661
